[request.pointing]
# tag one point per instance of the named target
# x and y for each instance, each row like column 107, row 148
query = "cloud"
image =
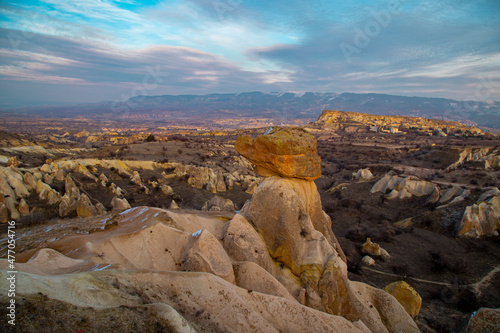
column 425, row 48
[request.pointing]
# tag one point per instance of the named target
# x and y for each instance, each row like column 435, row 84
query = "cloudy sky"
column 65, row 51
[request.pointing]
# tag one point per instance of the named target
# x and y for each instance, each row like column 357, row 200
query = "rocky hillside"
column 392, row 124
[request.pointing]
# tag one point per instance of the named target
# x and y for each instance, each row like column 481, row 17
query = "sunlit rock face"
column 288, row 152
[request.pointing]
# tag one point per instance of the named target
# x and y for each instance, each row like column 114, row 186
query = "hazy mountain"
column 280, row 105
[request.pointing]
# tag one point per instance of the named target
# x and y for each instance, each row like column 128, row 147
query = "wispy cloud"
column 425, row 48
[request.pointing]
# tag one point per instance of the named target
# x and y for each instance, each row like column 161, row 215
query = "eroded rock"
column 288, row 152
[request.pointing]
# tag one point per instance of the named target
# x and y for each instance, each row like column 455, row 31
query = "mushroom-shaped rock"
column 406, row 295
column 288, row 152
column 206, row 254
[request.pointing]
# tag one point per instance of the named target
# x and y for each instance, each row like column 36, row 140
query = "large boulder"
column 288, row 152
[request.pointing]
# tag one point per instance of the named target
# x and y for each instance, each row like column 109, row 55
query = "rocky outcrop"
column 287, row 152
column 120, row 204
column 489, row 156
column 202, row 177
column 406, row 295
column 406, row 187
column 482, row 218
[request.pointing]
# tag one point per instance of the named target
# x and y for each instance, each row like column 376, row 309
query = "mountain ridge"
column 286, row 106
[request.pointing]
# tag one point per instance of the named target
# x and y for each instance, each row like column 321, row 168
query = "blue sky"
column 66, row 51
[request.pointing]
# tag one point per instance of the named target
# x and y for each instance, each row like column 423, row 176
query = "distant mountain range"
column 287, row 106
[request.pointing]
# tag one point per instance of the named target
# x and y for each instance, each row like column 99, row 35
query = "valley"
column 424, row 190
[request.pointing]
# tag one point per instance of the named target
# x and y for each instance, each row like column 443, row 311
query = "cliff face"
column 344, row 119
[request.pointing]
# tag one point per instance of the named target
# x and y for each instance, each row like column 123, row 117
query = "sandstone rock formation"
column 202, row 177
column 482, row 218
column 406, row 295
column 489, row 156
column 406, row 187
column 288, row 152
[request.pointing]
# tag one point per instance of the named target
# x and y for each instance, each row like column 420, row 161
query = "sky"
column 86, row 51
